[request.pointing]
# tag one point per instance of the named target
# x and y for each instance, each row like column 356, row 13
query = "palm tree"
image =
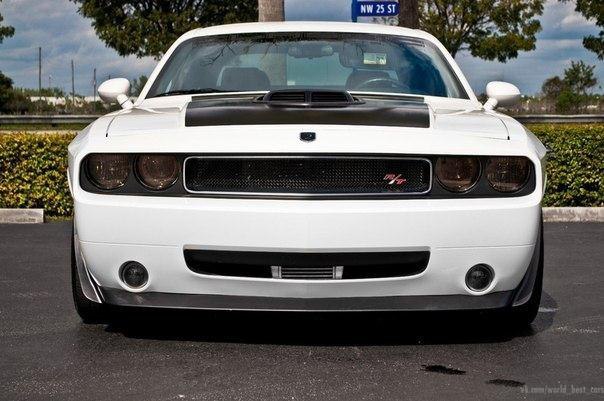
column 408, row 15
column 271, row 10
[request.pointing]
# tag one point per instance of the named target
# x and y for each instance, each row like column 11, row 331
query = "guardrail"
column 42, row 119
column 560, row 118
column 87, row 119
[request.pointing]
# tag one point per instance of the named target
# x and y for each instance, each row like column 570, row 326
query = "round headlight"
column 157, row 172
column 109, row 170
column 507, row 174
column 458, row 174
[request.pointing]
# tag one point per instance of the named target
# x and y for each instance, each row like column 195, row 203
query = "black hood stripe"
column 412, row 114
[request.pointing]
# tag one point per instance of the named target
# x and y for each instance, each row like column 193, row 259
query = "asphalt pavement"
column 47, row 353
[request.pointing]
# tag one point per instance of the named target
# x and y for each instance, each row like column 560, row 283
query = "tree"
column 408, row 14
column 593, row 9
column 5, row 31
column 552, row 87
column 6, row 87
column 149, row 27
column 271, row 10
column 13, row 100
column 569, row 101
column 138, row 85
column 489, row 29
column 570, row 93
column 579, row 77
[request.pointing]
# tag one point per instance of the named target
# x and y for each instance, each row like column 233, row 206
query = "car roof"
column 306, row 26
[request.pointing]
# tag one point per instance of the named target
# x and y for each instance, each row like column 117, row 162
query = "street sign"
column 366, row 8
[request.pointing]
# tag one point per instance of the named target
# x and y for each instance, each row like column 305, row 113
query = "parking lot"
column 46, row 353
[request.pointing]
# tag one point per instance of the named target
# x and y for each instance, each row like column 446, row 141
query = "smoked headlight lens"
column 508, row 173
column 108, row 171
column 458, row 174
column 157, row 172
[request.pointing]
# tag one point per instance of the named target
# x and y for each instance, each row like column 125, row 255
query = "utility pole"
column 39, row 71
column 94, row 89
column 72, row 85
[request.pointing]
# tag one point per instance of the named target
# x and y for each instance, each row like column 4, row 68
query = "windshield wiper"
column 190, row 92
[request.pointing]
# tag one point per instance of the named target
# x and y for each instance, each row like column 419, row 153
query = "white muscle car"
column 307, row 167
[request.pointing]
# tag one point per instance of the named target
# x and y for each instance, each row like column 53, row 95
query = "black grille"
column 307, row 175
column 307, row 266
column 329, row 97
column 287, row 96
column 308, row 99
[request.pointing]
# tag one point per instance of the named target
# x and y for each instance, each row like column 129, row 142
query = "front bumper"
column 458, row 234
column 494, row 300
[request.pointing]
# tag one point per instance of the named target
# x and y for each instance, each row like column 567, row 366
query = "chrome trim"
column 306, row 195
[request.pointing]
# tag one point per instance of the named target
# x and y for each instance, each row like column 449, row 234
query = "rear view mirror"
column 501, row 94
column 116, row 91
column 305, row 50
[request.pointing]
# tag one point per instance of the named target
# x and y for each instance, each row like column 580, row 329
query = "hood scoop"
column 308, row 98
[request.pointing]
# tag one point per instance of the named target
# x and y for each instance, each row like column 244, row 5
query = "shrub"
column 575, row 167
column 33, row 168
column 33, row 172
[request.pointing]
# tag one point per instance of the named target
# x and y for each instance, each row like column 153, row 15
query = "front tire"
column 90, row 312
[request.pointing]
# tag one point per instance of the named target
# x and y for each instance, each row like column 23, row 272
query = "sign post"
column 370, row 8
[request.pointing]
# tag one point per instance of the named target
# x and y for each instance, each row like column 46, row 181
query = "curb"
column 550, row 215
column 573, row 214
column 21, row 216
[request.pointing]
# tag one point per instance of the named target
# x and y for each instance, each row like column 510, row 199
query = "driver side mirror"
column 116, row 90
column 501, row 94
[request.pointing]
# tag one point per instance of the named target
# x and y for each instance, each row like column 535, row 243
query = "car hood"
column 403, row 117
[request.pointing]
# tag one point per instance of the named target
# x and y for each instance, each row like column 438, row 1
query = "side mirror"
column 501, row 94
column 116, row 91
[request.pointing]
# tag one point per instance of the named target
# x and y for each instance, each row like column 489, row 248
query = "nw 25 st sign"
column 374, row 9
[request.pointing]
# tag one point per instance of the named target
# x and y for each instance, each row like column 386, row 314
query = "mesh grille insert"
column 309, row 175
column 287, row 96
column 306, row 266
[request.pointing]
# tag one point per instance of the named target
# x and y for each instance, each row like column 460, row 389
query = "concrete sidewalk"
column 550, row 214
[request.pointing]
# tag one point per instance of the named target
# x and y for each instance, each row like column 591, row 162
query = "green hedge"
column 33, row 168
column 33, row 172
column 575, row 167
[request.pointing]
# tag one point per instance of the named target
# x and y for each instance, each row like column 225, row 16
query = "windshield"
column 339, row 61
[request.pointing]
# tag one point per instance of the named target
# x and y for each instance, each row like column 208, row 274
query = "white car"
column 307, row 167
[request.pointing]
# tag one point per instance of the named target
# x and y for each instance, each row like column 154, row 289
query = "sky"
column 64, row 35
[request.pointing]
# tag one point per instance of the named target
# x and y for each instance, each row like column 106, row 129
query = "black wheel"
column 523, row 315
column 90, row 312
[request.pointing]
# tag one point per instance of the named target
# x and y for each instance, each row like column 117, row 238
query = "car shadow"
column 325, row 329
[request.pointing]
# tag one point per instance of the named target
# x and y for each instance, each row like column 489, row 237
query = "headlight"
column 108, row 171
column 507, row 173
column 157, row 172
column 458, row 174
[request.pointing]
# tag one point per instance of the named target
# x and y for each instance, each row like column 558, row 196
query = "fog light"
column 134, row 274
column 479, row 277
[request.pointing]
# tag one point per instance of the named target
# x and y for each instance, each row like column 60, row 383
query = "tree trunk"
column 271, row 10
column 409, row 14
column 273, row 63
